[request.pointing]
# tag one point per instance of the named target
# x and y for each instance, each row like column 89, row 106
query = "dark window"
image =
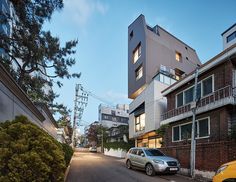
column 186, row 131
column 180, row 99
column 231, row 36
column 153, row 152
column 199, row 91
column 207, row 86
column 188, row 95
column 113, row 113
column 131, row 35
column 134, row 151
column 176, row 133
column 203, row 128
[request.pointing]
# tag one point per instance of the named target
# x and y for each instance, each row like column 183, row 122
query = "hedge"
column 119, row 145
column 28, row 153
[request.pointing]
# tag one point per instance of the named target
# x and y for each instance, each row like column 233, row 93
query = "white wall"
column 155, row 105
column 115, row 153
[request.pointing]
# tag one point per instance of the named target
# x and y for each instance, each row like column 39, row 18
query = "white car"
column 92, row 149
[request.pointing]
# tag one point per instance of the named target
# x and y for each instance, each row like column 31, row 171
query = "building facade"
column 215, row 114
column 113, row 116
column 156, row 59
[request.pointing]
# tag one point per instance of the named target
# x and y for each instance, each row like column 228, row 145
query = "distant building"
column 112, row 117
column 156, row 59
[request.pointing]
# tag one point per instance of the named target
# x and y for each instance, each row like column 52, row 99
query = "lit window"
column 140, row 122
column 137, row 53
column 178, row 57
column 139, row 73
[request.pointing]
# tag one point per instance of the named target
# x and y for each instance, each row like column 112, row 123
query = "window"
column 176, row 133
column 131, row 35
column 184, row 131
column 204, row 88
column 207, row 86
column 139, row 72
column 188, row 95
column 231, row 36
column 165, row 79
column 178, row 56
column 203, row 127
column 140, row 122
column 180, row 99
column 137, row 53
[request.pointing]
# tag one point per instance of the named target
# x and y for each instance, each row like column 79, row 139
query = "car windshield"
column 153, row 152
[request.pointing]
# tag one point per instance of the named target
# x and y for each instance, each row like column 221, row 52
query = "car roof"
column 142, row 148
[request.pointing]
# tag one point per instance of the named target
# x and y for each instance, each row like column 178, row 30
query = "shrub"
column 68, row 152
column 27, row 153
column 119, row 145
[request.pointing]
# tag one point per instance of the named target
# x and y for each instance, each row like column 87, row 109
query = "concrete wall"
column 156, row 49
column 115, row 153
column 155, row 105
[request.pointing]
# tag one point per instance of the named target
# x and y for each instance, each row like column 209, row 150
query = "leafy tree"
column 33, row 56
column 28, row 153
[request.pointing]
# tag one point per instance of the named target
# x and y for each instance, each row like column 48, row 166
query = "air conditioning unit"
column 172, row 71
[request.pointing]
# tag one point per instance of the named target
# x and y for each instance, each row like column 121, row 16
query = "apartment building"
column 215, row 114
column 156, row 59
column 113, row 116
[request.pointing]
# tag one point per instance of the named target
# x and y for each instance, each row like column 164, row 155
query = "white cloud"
column 80, row 11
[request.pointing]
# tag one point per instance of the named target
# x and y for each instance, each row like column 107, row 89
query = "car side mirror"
column 142, row 155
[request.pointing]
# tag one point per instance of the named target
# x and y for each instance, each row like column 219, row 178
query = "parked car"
column 152, row 160
column 92, row 149
column 226, row 173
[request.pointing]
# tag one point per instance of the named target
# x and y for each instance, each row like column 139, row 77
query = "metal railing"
column 209, row 99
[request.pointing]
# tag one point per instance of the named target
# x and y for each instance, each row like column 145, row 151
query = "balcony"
column 219, row 98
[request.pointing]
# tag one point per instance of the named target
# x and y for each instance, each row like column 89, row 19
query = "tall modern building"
column 113, row 117
column 156, row 59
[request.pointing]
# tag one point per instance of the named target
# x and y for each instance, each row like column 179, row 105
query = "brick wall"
column 222, row 77
column 209, row 156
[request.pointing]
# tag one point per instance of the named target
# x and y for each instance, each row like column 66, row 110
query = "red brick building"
column 216, row 114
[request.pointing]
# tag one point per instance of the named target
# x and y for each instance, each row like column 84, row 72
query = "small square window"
column 137, row 53
column 139, row 73
column 178, row 56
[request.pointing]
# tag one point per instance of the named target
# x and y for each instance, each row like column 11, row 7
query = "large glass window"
column 139, row 72
column 207, row 86
column 137, row 53
column 140, row 122
column 183, row 132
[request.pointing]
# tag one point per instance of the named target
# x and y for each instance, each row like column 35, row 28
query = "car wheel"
column 128, row 164
column 149, row 170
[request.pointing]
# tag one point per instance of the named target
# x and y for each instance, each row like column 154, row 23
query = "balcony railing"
column 214, row 97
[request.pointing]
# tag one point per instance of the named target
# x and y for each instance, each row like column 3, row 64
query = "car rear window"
column 153, row 152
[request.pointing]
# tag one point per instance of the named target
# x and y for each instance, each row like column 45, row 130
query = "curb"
column 68, row 168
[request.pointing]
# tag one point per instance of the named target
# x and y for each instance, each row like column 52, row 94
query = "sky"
column 101, row 27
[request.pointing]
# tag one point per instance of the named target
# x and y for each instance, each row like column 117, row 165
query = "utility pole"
column 81, row 101
column 193, row 140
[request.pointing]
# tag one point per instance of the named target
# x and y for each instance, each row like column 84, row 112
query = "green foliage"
column 162, row 130
column 27, row 153
column 68, row 153
column 119, row 145
column 33, row 56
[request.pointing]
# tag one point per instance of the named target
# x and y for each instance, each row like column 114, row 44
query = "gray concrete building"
column 156, row 59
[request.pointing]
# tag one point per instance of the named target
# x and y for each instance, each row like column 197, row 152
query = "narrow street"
column 95, row 167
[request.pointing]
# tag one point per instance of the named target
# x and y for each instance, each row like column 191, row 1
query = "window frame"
column 201, row 96
column 137, row 72
column 197, row 136
column 139, row 49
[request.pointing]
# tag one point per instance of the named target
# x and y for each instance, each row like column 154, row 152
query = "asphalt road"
column 95, row 167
